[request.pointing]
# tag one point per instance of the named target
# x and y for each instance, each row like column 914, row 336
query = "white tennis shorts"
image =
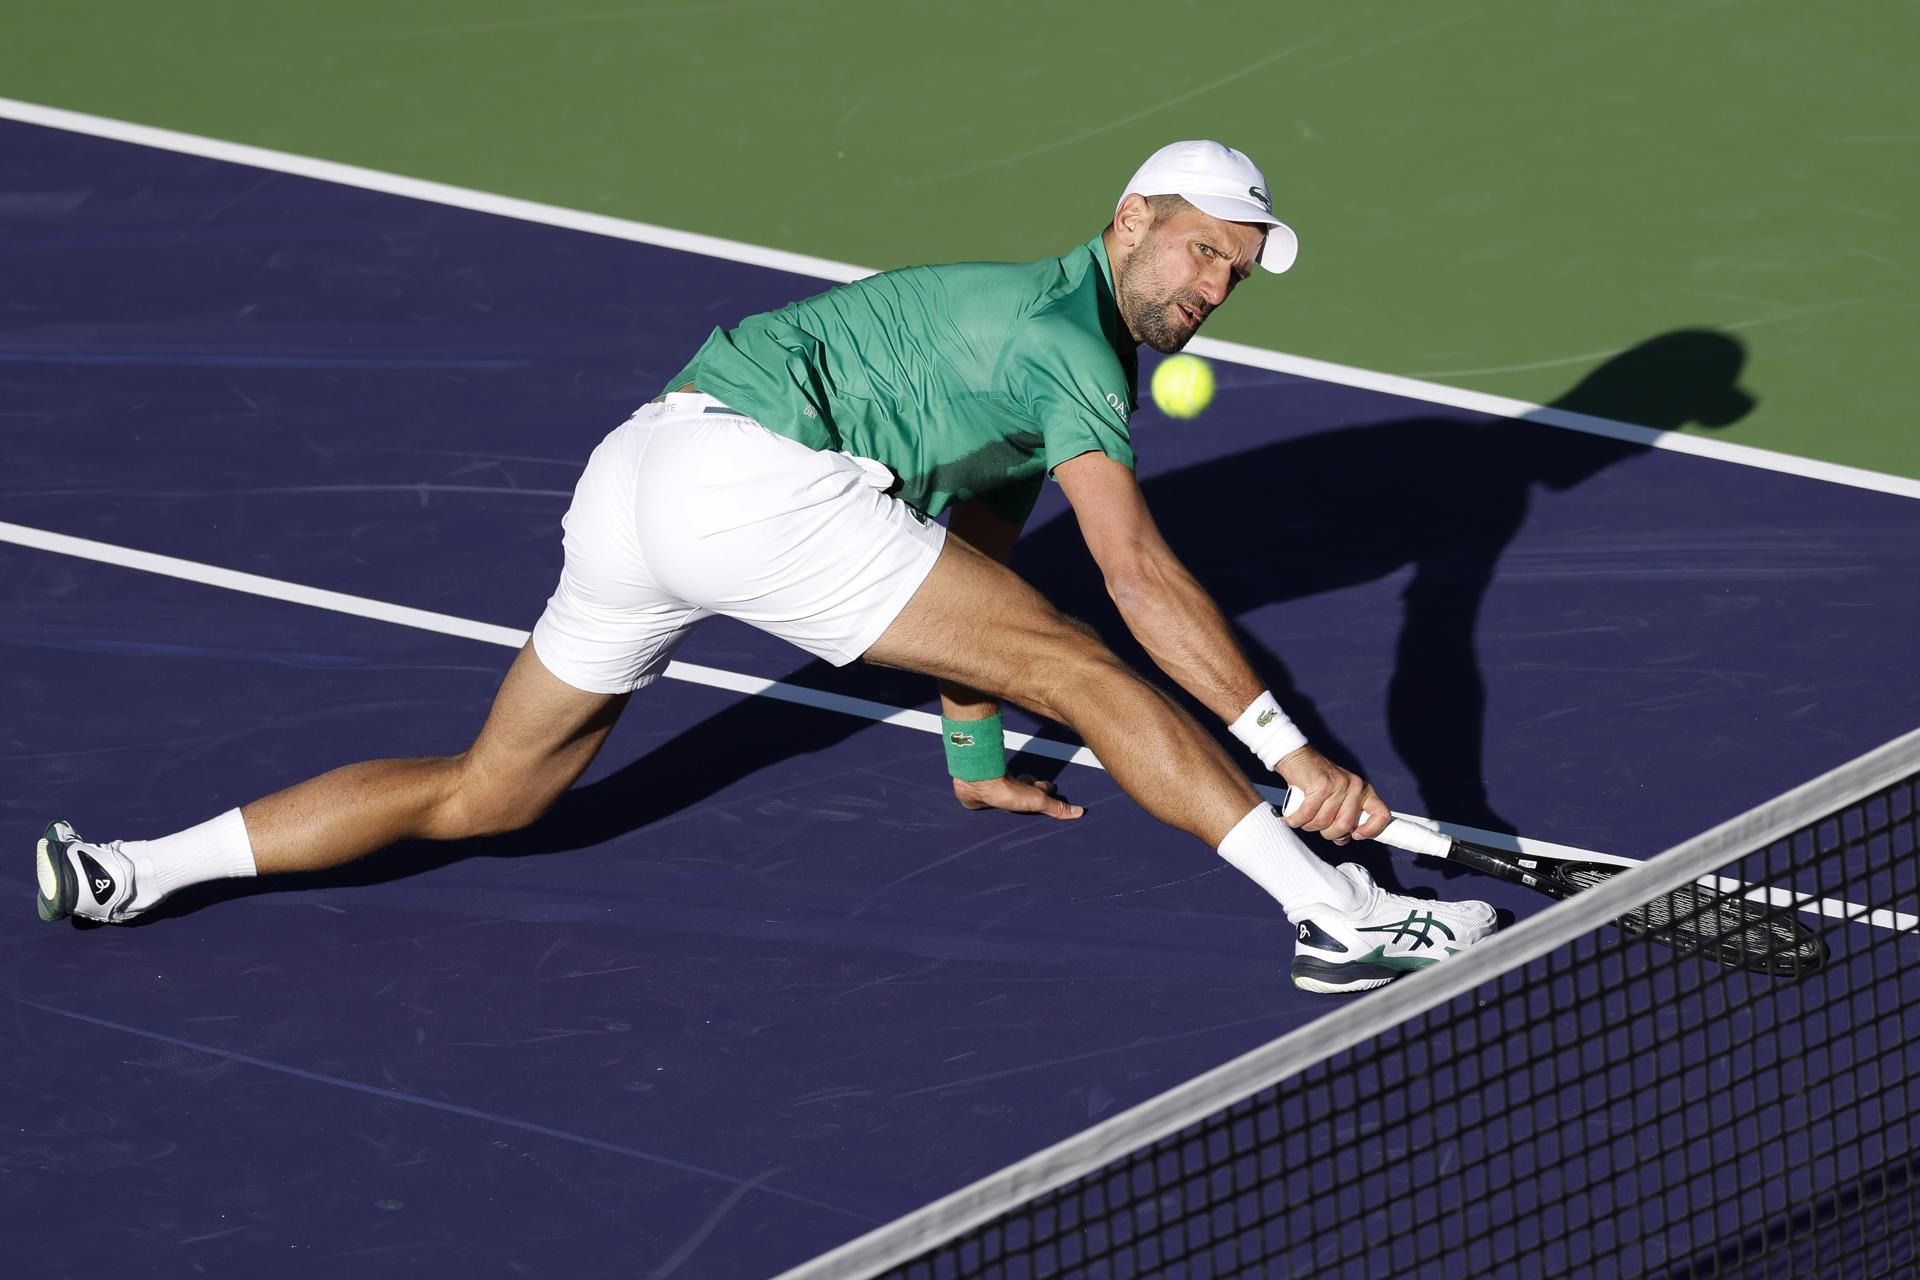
column 689, row 509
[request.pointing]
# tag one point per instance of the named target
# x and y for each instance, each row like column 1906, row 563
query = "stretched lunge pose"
column 787, row 477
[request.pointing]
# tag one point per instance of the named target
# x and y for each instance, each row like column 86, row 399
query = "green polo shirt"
column 969, row 380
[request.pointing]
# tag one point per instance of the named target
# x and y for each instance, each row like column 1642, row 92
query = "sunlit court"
column 290, row 434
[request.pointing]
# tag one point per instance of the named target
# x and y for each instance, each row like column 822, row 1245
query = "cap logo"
column 1266, row 201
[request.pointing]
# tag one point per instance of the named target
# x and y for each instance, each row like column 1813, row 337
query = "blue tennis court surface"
column 773, row 988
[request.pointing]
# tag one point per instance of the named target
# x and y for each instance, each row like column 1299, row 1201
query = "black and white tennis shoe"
column 92, row 881
column 1343, row 951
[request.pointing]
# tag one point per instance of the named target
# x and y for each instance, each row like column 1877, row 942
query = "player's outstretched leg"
column 538, row 738
column 976, row 623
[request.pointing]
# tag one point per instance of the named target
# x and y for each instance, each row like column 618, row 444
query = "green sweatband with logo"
column 976, row 749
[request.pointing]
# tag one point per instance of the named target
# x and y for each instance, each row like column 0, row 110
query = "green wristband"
column 976, row 749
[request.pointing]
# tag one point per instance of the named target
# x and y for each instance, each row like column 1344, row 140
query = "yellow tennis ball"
column 1183, row 386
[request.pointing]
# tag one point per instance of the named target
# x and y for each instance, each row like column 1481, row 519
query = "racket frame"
column 1549, row 876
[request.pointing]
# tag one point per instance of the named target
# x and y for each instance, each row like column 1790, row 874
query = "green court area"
column 1497, row 196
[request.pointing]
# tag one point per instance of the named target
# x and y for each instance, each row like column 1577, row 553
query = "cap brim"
column 1282, row 245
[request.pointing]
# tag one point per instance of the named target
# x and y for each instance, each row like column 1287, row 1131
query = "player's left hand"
column 1336, row 798
column 1015, row 795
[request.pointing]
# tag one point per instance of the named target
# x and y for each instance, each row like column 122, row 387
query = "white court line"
column 1879, row 917
column 840, row 272
column 759, row 686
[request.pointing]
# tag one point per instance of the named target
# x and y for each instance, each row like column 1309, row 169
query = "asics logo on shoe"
column 1418, row 926
column 102, row 883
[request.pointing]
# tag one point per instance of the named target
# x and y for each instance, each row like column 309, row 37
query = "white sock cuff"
column 1271, row 853
column 217, row 849
column 228, row 839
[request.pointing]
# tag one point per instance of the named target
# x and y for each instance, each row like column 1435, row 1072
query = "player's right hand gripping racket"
column 1737, row 932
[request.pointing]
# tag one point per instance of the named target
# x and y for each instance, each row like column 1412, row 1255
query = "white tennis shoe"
column 1390, row 934
column 92, row 881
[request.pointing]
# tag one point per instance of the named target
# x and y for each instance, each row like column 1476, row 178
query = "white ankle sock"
column 1266, row 849
column 215, row 850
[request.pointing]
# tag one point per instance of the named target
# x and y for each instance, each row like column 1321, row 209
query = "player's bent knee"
column 1053, row 675
column 492, row 802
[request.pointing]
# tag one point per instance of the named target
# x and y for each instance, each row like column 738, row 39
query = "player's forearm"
column 1183, row 630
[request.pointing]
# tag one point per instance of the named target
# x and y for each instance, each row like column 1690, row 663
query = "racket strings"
column 1735, row 931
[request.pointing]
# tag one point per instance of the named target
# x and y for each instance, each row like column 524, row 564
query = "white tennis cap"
column 1221, row 181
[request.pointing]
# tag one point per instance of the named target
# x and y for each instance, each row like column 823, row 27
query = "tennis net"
column 1565, row 1100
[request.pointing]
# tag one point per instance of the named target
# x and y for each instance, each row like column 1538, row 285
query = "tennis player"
column 789, row 477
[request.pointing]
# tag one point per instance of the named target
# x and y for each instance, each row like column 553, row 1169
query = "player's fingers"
column 1031, row 796
column 1305, row 813
column 1052, row 806
column 1295, row 811
column 1318, row 805
column 1376, row 814
column 1341, row 828
column 1344, row 807
column 1326, row 811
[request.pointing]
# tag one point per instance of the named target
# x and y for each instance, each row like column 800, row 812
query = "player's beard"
column 1148, row 308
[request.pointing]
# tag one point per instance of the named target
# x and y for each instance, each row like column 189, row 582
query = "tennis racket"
column 1736, row 932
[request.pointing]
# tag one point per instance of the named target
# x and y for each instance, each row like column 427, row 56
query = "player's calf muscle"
column 360, row 808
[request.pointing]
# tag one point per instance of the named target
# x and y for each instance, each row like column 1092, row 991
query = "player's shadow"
column 1285, row 521
column 1311, row 515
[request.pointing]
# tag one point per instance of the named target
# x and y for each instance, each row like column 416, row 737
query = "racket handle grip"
column 1401, row 833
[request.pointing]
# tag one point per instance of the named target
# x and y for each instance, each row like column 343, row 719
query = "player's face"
column 1183, row 268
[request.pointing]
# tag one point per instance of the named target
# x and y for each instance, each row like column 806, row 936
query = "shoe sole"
column 1331, row 978
column 57, row 887
column 1330, row 989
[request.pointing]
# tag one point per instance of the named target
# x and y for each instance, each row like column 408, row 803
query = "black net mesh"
column 1612, row 1108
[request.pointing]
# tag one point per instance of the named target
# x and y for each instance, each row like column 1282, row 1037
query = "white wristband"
column 1266, row 731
